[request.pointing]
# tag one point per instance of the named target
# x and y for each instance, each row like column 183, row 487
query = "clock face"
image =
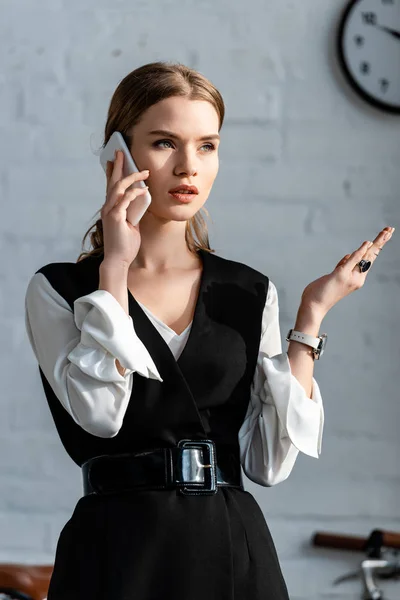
column 369, row 50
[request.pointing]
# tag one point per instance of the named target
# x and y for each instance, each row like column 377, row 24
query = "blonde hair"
column 138, row 91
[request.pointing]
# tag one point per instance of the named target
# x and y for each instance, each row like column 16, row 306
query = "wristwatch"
column 317, row 343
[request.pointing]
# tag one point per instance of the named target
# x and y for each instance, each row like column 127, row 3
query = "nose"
column 185, row 164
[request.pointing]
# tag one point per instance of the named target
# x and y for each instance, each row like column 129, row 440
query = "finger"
column 117, row 174
column 116, row 193
column 121, row 206
column 358, row 254
column 384, row 235
column 125, row 186
column 134, row 177
column 111, row 174
column 343, row 261
column 381, row 239
column 119, row 188
column 109, row 170
column 130, row 195
column 117, row 171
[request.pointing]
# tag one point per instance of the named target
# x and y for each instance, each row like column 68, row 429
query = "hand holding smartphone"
column 138, row 207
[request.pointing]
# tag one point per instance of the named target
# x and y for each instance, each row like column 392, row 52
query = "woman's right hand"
column 121, row 239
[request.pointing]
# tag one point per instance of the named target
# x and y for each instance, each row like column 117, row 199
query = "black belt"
column 193, row 467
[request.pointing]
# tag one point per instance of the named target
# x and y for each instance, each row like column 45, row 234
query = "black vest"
column 205, row 393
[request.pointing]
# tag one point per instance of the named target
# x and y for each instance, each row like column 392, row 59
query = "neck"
column 163, row 246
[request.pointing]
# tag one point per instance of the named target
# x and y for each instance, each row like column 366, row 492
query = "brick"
column 259, row 141
column 33, row 47
column 327, row 497
column 50, row 210
column 40, row 496
column 22, row 532
column 342, row 144
column 46, row 458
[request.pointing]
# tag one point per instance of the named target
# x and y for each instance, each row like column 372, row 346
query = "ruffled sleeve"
column 281, row 419
column 77, row 352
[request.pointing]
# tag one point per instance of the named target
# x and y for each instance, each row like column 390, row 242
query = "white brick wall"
column 314, row 169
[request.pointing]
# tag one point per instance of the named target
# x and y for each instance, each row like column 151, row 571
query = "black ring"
column 364, row 265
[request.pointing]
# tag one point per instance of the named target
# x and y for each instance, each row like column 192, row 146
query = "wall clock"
column 369, row 51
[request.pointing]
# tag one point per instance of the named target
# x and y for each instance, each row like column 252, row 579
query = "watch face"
column 323, row 343
column 369, row 50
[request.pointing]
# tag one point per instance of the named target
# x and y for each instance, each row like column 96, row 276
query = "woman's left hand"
column 325, row 292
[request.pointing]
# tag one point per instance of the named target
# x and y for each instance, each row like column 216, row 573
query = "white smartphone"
column 137, row 207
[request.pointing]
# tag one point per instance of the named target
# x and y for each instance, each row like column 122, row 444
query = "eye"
column 210, row 147
column 157, row 144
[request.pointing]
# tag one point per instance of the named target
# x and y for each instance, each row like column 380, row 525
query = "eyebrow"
column 212, row 136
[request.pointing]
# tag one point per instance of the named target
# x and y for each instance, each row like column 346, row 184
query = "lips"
column 184, row 189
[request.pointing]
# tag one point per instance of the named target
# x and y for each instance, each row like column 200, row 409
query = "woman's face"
column 177, row 141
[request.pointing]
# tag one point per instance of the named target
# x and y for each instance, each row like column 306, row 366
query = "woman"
column 149, row 340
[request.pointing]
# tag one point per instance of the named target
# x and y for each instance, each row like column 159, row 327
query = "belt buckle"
column 209, row 486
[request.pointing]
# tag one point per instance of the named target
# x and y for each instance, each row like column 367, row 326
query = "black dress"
column 160, row 545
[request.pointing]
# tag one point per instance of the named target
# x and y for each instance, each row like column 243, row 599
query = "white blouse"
column 77, row 352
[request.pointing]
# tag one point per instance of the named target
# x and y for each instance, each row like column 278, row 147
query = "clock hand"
column 392, row 32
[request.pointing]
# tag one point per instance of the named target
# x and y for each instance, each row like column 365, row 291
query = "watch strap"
column 305, row 338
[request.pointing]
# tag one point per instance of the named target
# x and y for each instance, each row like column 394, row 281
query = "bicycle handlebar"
column 391, row 539
column 343, row 542
column 378, row 537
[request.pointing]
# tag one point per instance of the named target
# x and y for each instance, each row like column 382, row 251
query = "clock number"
column 365, row 68
column 369, row 18
column 359, row 40
column 384, row 84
